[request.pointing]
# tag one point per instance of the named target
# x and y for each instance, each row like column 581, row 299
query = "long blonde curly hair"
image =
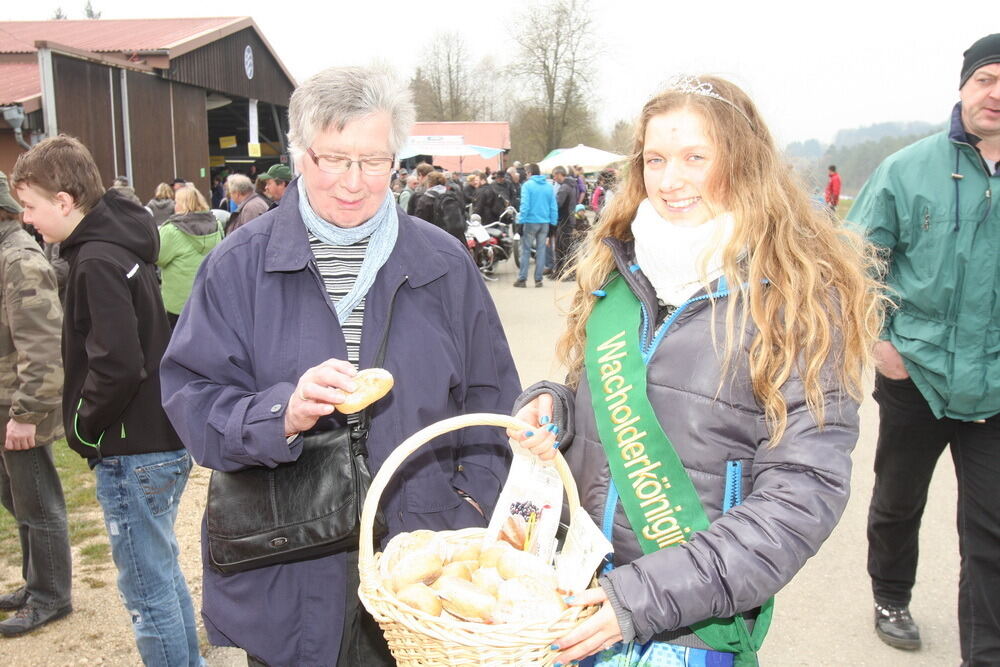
column 808, row 283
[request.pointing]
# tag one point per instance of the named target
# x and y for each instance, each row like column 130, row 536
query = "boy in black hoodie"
column 114, row 333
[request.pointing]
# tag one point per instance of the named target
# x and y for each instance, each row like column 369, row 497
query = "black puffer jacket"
column 793, row 493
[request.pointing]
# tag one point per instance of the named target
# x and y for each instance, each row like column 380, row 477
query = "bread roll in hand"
column 371, row 385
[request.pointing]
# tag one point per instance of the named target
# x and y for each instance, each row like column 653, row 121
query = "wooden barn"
column 153, row 99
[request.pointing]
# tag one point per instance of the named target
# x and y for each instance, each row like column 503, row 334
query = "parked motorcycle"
column 493, row 242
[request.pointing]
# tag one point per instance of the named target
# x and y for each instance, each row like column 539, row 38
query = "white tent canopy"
column 591, row 159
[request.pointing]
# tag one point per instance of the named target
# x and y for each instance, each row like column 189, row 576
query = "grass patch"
column 97, row 552
column 81, row 502
column 81, row 530
column 94, row 583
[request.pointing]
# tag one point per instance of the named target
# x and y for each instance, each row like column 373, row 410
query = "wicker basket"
column 418, row 639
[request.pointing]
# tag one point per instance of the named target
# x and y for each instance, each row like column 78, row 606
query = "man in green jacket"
column 930, row 208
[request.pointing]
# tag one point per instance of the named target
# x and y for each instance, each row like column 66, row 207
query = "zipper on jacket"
column 733, row 494
column 647, row 350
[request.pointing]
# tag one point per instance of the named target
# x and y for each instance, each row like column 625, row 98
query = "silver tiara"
column 692, row 85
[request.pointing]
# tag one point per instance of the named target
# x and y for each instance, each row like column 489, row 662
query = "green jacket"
column 929, row 207
column 31, row 371
column 185, row 239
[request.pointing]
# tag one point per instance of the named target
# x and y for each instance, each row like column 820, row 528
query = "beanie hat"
column 986, row 51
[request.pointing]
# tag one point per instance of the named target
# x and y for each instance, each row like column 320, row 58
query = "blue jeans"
column 533, row 235
column 31, row 492
column 140, row 494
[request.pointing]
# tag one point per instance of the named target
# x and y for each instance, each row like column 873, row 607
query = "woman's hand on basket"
column 542, row 439
column 597, row 633
column 318, row 390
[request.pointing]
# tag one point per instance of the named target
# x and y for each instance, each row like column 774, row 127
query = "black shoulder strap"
column 365, row 420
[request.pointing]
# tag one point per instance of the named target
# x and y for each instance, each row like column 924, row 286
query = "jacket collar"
column 956, row 130
column 8, row 227
column 413, row 256
column 624, row 254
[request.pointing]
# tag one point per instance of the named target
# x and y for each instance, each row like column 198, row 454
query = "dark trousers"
column 31, row 491
column 362, row 644
column 909, row 443
column 562, row 246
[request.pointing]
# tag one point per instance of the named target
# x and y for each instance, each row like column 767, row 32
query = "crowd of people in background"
column 258, row 341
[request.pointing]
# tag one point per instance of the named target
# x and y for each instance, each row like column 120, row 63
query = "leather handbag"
column 299, row 510
column 307, row 508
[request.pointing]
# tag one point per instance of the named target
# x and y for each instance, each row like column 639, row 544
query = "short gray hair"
column 337, row 95
column 239, row 183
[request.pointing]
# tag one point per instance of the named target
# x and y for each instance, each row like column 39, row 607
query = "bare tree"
column 90, row 12
column 556, row 44
column 59, row 14
column 444, row 85
column 622, row 136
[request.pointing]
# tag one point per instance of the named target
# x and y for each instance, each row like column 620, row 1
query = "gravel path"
column 98, row 632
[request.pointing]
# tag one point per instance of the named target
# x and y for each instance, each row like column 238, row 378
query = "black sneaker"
column 895, row 627
column 538, row 283
column 15, row 600
column 31, row 617
column 520, row 283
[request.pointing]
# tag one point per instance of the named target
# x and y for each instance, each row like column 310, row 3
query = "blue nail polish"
column 554, row 647
column 575, row 662
column 558, row 664
column 569, row 599
column 528, row 434
column 544, row 420
column 556, row 446
column 553, row 428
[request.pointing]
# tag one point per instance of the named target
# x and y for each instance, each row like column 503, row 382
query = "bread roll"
column 418, row 566
column 460, row 569
column 420, row 596
column 371, row 385
column 468, row 551
column 491, row 555
column 488, row 579
column 525, row 599
column 465, row 599
column 515, row 564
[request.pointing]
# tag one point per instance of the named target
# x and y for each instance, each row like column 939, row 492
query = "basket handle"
column 366, row 554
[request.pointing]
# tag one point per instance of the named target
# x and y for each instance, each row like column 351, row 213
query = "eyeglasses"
column 340, row 164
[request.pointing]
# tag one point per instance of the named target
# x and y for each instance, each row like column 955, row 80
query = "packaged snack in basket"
column 527, row 512
column 584, row 549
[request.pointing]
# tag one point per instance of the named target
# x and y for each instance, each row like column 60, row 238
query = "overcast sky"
column 812, row 67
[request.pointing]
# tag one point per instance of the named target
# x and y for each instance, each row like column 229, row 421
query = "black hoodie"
column 114, row 333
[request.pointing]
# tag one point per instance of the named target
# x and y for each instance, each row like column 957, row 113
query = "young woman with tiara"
column 716, row 346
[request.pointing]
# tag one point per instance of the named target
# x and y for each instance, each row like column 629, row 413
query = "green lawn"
column 81, row 506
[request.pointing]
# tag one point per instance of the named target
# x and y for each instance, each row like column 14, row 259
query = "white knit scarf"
column 679, row 260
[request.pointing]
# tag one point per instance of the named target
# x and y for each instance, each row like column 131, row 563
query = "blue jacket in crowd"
column 538, row 202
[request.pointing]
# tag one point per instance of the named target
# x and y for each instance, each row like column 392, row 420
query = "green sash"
column 658, row 497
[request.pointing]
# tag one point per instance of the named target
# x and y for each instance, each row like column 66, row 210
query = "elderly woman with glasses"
column 282, row 315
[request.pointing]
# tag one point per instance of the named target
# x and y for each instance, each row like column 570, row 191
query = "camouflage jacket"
column 31, row 372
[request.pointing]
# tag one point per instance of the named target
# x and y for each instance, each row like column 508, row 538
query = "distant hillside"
column 856, row 152
column 879, row 131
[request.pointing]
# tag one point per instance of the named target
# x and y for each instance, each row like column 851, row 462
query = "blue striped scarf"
column 383, row 227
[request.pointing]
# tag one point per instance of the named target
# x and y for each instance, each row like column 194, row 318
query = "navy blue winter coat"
column 257, row 319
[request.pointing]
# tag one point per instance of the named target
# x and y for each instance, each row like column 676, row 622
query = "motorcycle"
column 493, row 242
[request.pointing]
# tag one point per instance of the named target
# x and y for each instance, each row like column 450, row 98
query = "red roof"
column 487, row 133
column 20, row 82
column 113, row 35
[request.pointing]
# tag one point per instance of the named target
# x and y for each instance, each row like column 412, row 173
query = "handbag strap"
column 360, row 429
